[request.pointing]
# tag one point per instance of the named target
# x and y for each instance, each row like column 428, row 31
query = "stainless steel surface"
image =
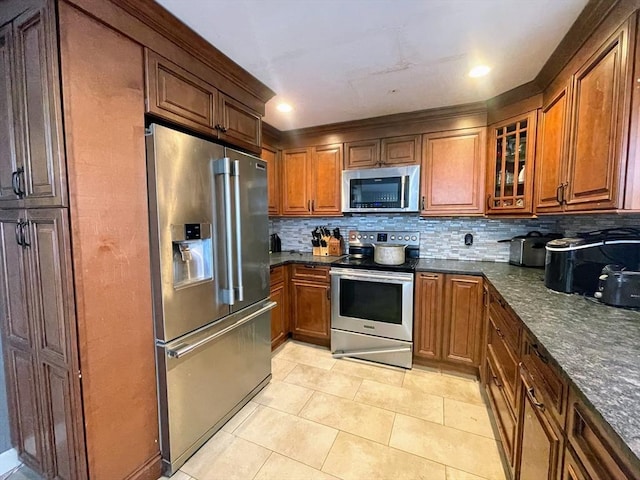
column 368, row 347
column 388, row 254
column 401, row 331
column 361, row 238
column 213, row 332
column 185, row 347
column 409, row 178
column 179, row 193
column 205, row 388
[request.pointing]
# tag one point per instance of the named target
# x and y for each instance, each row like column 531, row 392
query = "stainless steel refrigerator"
column 210, row 265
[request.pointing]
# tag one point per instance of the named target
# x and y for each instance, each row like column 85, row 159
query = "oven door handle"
column 373, row 278
column 372, row 351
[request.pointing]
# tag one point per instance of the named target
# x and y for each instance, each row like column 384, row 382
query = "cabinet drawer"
column 501, row 408
column 507, row 323
column 277, row 275
column 311, row 272
column 595, row 447
column 504, row 360
column 546, row 377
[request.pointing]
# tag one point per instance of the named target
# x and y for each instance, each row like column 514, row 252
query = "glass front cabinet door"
column 510, row 169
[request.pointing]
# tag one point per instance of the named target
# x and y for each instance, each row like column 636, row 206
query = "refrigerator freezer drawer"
column 208, row 376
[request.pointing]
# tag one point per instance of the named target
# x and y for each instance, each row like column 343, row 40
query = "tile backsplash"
column 444, row 237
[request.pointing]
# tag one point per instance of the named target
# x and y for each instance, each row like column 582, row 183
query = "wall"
column 5, row 440
column 444, row 237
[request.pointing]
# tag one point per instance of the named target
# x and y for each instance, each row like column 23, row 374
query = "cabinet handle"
column 15, row 182
column 309, row 205
column 489, row 202
column 313, row 205
column 564, row 189
column 18, row 233
column 499, row 332
column 422, row 206
column 328, row 293
column 534, row 347
column 220, row 127
column 23, row 224
column 532, row 396
column 495, row 380
column 428, row 275
column 558, row 193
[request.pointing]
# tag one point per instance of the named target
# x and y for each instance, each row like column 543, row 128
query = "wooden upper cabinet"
column 239, row 125
column 427, row 324
column 177, row 95
column 362, row 154
column 32, row 165
column 400, row 151
column 510, row 165
column 553, row 132
column 453, row 165
column 296, row 198
column 326, row 169
column 311, row 181
column 463, row 315
column 386, row 152
column 271, row 156
column 601, row 92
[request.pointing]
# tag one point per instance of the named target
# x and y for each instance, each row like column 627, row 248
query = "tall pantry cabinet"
column 74, row 245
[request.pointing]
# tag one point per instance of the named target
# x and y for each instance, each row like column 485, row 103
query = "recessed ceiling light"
column 479, row 71
column 284, row 107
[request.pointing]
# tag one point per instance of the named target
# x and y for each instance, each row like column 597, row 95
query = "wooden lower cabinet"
column 541, row 439
column 448, row 318
column 572, row 469
column 280, row 314
column 311, row 304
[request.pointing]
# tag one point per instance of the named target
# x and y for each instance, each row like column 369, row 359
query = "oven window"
column 376, row 193
column 379, row 302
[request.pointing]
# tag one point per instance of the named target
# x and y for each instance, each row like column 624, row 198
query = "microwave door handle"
column 239, row 289
column 222, row 167
column 403, row 187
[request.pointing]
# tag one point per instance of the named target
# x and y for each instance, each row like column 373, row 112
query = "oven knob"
column 359, row 236
column 406, row 237
column 393, row 237
column 414, row 238
column 371, row 237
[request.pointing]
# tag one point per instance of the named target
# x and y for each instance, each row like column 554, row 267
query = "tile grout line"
column 265, row 461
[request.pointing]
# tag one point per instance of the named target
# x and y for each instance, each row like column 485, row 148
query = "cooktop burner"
column 361, row 250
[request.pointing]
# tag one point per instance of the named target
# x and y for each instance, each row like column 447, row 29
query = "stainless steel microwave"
column 381, row 190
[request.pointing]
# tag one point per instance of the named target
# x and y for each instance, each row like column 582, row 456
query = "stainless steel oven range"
column 372, row 306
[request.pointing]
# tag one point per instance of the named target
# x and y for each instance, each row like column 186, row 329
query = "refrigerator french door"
column 210, row 266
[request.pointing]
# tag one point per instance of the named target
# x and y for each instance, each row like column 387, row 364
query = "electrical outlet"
column 468, row 239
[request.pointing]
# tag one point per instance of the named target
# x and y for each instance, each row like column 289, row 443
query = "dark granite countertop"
column 596, row 346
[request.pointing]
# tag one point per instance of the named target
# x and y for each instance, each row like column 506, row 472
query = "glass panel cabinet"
column 510, row 169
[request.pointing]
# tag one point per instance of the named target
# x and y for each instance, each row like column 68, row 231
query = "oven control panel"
column 358, row 237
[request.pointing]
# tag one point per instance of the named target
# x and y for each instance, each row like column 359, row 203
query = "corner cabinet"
column 448, row 319
column 510, row 166
column 582, row 165
column 311, row 181
column 453, row 166
column 272, row 157
column 174, row 94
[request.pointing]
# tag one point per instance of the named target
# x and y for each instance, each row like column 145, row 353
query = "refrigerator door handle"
column 186, row 349
column 239, row 289
column 223, row 167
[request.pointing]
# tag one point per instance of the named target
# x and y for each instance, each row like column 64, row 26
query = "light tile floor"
column 322, row 418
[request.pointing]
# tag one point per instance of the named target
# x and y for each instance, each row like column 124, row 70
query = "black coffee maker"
column 275, row 245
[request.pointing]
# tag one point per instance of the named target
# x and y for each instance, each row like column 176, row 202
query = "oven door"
column 372, row 302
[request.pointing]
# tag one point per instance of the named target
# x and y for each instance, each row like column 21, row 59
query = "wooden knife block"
column 336, row 247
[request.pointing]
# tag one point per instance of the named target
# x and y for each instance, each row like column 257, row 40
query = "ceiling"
column 340, row 60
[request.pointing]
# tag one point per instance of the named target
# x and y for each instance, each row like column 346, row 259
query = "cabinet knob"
column 422, row 205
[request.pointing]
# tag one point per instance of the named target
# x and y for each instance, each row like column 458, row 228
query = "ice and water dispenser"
column 192, row 254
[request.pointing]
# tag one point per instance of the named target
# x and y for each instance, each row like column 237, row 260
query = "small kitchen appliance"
column 372, row 303
column 619, row 287
column 275, row 244
column 381, row 190
column 574, row 265
column 528, row 250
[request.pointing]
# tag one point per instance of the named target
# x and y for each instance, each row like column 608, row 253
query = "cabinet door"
column 598, row 130
column 270, row 155
column 326, row 171
column 541, row 444
column 453, row 172
column 174, row 94
column 38, row 105
column 239, row 125
column 462, row 317
column 552, row 148
column 427, row 323
column 311, row 309
column 572, row 468
column 279, row 317
column 8, row 120
column 400, row 151
column 296, row 198
column 362, row 154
